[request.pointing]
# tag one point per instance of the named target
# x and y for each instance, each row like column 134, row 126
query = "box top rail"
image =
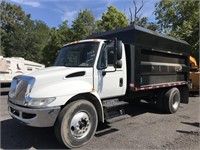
column 144, row 37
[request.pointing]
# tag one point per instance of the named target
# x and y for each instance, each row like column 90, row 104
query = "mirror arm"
column 104, row 73
column 115, row 56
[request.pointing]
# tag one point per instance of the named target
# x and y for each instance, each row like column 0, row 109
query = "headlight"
column 40, row 102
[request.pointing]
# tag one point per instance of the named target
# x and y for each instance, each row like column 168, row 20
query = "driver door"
column 109, row 80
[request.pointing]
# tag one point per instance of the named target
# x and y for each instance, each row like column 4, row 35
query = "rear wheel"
column 172, row 100
column 76, row 124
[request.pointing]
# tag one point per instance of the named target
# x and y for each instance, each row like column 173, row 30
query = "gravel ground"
column 145, row 129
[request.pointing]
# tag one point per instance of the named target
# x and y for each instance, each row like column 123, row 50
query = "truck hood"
column 51, row 82
column 58, row 74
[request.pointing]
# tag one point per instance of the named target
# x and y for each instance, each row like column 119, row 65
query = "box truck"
column 92, row 81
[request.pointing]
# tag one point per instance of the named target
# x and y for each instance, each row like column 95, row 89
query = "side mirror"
column 119, row 50
column 119, row 64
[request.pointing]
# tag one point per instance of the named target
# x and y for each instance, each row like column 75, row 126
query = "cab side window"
column 107, row 56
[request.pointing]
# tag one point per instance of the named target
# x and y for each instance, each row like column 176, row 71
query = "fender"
column 99, row 105
column 94, row 98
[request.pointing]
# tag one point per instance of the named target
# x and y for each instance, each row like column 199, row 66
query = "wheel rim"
column 80, row 125
column 175, row 100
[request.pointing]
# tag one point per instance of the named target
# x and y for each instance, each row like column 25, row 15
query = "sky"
column 54, row 12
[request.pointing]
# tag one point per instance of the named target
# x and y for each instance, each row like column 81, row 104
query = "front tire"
column 76, row 124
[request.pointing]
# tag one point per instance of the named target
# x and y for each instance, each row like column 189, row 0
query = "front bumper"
column 37, row 117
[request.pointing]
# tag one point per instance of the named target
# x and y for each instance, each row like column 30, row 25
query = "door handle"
column 120, row 82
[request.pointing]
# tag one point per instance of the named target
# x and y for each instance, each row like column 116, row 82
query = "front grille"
column 21, row 90
column 18, row 90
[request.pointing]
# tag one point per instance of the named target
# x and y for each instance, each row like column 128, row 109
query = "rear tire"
column 76, row 124
column 172, row 100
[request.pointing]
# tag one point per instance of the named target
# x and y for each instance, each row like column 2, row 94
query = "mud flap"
column 184, row 91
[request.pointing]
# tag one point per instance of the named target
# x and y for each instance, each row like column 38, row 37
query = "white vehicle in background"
column 10, row 67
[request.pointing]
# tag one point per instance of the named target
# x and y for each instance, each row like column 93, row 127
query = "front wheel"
column 76, row 124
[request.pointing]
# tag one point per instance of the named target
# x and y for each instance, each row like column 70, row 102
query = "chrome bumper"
column 37, row 117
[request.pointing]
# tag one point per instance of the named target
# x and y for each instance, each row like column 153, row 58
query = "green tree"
column 65, row 33
column 21, row 36
column 51, row 50
column 136, row 19
column 112, row 19
column 37, row 36
column 12, row 25
column 181, row 20
column 143, row 22
column 57, row 38
column 83, row 25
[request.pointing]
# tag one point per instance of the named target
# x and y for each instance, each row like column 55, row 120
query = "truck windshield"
column 78, row 55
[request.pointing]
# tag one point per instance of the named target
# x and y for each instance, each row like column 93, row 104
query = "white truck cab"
column 79, row 68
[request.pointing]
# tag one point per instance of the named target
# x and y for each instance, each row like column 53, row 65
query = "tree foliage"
column 52, row 47
column 83, row 25
column 21, row 36
column 112, row 19
column 57, row 38
column 143, row 22
column 36, row 39
column 181, row 20
column 135, row 16
column 12, row 23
